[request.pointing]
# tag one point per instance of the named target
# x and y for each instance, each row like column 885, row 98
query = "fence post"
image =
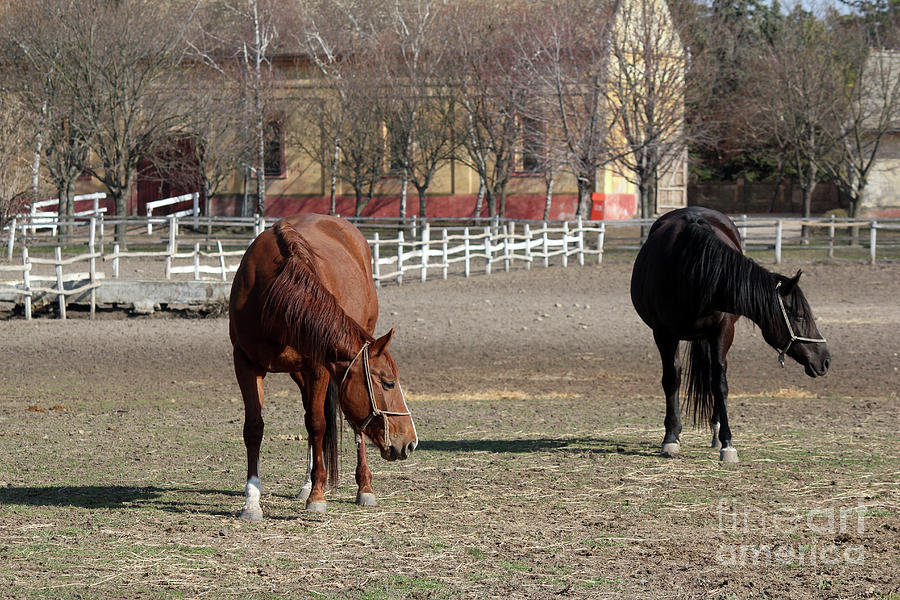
column 93, row 263
column 580, row 242
column 565, row 245
column 376, row 260
column 26, row 283
column 115, row 261
column 196, row 198
column 467, row 251
column 872, row 242
column 487, row 250
column 57, row 254
column 444, row 252
column 400, row 257
column 778, row 242
column 527, row 236
column 831, row 237
column 196, row 261
column 413, row 229
column 508, row 229
column 546, row 246
column 426, row 243
column 743, row 230
column 600, row 239
column 101, row 233
column 222, row 260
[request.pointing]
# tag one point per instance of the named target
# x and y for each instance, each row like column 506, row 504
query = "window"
column 273, row 159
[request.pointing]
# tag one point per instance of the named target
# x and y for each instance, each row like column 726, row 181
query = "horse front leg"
column 365, row 496
column 314, row 391
column 250, row 380
column 671, row 383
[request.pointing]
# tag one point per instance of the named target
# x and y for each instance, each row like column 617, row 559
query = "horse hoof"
column 671, row 449
column 366, row 499
column 728, row 455
column 303, row 496
column 316, row 507
column 251, row 514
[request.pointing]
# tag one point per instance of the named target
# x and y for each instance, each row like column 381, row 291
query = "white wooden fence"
column 193, row 211
column 32, row 284
column 416, row 249
column 482, row 248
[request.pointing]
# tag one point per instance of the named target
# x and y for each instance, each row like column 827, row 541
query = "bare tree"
column 792, row 97
column 119, row 67
column 344, row 121
column 213, row 144
column 238, row 39
column 867, row 109
column 41, row 83
column 16, row 134
column 493, row 96
column 421, row 112
column 567, row 53
column 647, row 80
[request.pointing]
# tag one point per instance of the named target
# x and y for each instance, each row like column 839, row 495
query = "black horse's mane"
column 722, row 278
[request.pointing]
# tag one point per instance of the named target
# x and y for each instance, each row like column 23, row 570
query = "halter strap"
column 794, row 337
column 374, row 410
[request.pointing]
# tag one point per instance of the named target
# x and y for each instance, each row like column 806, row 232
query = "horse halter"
column 794, row 337
column 374, row 410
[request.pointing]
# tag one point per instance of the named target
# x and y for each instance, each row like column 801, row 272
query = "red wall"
column 520, row 206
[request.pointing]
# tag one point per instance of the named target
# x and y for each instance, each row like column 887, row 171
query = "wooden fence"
column 210, row 248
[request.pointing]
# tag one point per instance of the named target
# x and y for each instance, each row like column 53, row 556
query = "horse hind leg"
column 671, row 382
column 250, row 381
column 727, row 452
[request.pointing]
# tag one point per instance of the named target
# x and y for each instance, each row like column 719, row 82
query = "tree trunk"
column 809, row 186
column 422, row 204
column 359, row 202
column 65, row 191
column 585, row 190
column 404, row 192
column 503, row 202
column 260, row 165
column 334, row 165
column 548, row 198
column 479, row 200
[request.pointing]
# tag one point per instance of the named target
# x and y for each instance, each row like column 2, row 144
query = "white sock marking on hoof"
column 251, row 510
column 366, row 499
column 670, row 449
column 728, row 455
column 316, row 507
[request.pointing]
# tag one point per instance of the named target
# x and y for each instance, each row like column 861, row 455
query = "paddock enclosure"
column 537, row 400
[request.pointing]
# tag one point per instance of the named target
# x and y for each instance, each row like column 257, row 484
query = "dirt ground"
column 537, row 400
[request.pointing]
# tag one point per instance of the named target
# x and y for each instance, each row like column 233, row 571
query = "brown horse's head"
column 373, row 401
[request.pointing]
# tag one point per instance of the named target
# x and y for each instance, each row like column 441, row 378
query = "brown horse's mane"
column 300, row 311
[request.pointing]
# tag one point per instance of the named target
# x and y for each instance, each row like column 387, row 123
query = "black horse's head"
column 795, row 333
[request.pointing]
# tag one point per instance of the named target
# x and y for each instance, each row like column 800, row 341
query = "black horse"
column 692, row 282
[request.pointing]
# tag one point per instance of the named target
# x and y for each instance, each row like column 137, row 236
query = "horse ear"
column 788, row 286
column 381, row 344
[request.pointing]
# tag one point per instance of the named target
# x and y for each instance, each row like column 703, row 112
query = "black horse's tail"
column 330, row 440
column 697, row 393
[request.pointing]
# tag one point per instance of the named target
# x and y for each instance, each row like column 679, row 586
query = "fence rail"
column 203, row 247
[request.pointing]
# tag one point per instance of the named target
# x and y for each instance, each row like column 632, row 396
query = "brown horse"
column 303, row 302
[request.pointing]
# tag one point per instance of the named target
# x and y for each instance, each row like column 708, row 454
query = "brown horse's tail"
column 697, row 393
column 332, row 427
